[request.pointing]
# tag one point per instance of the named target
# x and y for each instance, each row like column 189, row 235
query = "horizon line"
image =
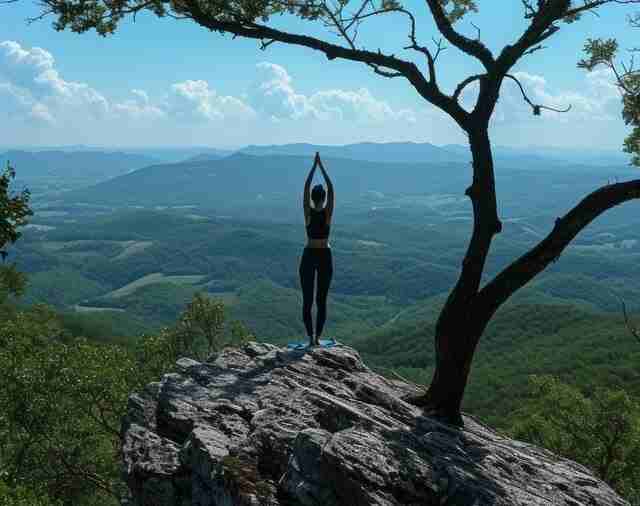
column 226, row 148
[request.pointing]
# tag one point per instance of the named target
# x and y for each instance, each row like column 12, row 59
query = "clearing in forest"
column 131, row 248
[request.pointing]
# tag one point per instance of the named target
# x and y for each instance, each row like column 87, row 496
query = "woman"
column 317, row 254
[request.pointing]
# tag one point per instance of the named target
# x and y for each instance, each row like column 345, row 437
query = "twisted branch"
column 471, row 47
column 536, row 108
column 465, row 83
column 529, row 265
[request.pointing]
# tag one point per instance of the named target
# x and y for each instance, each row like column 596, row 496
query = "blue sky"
column 169, row 82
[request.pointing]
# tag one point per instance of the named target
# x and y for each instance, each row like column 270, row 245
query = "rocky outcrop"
column 265, row 425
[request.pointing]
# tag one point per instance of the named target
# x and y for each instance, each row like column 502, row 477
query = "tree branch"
column 465, row 83
column 525, row 268
column 343, row 32
column 428, row 90
column 76, row 470
column 112, row 12
column 588, row 6
column 477, row 29
column 101, row 419
column 536, row 108
column 529, row 10
column 542, row 25
column 540, row 28
column 265, row 44
column 471, row 47
column 358, row 17
column 534, row 49
column 431, row 59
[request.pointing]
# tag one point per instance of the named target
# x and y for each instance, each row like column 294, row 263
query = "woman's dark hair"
column 318, row 193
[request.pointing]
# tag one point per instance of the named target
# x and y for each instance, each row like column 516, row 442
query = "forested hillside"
column 49, row 172
column 124, row 274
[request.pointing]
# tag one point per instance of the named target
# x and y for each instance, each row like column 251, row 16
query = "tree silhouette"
column 14, row 213
column 469, row 306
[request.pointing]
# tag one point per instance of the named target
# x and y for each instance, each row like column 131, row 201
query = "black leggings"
column 315, row 260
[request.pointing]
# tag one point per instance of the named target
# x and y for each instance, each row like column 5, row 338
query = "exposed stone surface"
column 270, row 426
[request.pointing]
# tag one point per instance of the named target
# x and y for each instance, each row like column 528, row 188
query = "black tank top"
column 318, row 227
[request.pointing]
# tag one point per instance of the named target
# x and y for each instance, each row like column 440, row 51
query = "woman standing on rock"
column 317, row 253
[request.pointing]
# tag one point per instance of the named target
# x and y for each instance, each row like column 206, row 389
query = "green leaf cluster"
column 104, row 16
column 60, row 407
column 601, row 431
column 456, row 9
column 14, row 212
column 604, row 52
column 63, row 398
column 202, row 320
column 14, row 209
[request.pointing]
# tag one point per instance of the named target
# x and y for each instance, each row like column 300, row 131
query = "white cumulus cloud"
column 36, row 90
column 597, row 100
column 195, row 100
column 40, row 102
column 356, row 105
column 273, row 94
column 139, row 107
column 33, row 89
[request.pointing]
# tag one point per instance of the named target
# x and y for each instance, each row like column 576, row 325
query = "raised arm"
column 330, row 194
column 306, row 197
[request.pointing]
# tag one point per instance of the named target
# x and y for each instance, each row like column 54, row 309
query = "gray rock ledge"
column 265, row 425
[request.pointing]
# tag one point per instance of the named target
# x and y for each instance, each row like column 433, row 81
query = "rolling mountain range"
column 242, row 180
column 92, row 164
column 274, row 175
column 167, row 154
column 33, row 165
column 411, row 152
column 400, row 152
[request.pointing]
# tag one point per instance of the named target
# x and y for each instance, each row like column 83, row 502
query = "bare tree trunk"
column 461, row 321
column 454, row 354
column 468, row 308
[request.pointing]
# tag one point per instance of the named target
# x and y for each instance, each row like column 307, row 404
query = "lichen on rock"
column 264, row 425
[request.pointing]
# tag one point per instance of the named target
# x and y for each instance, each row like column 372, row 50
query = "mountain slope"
column 583, row 347
column 550, row 157
column 246, row 178
column 76, row 164
column 271, row 185
column 400, row 152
